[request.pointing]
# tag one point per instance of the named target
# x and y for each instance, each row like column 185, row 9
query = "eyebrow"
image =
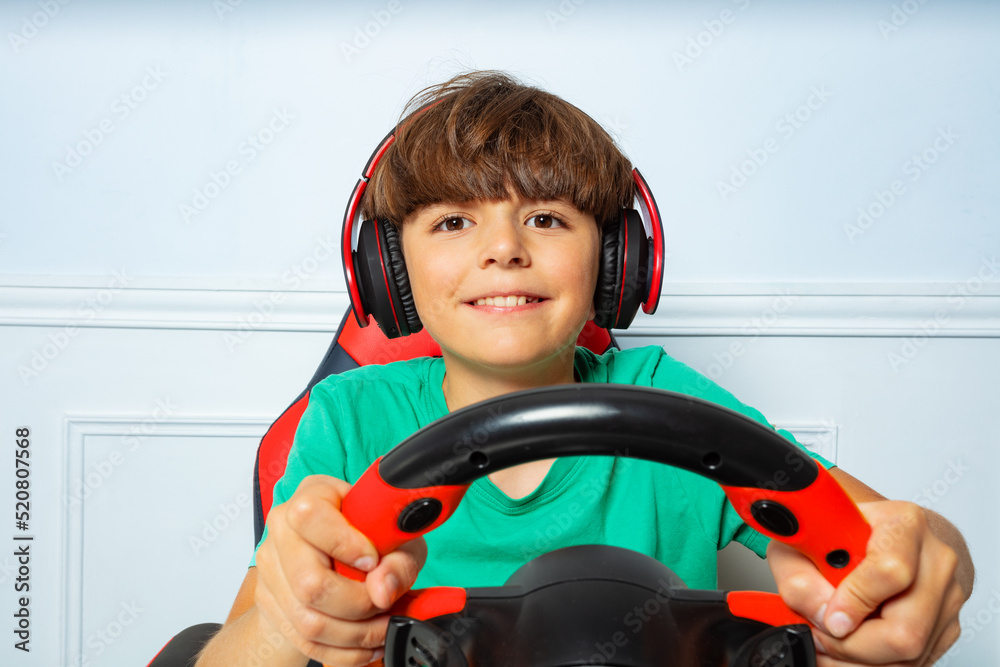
column 527, row 204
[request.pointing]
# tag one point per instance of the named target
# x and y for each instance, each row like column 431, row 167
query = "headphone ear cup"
column 382, row 280
column 399, row 278
column 623, row 280
column 608, row 275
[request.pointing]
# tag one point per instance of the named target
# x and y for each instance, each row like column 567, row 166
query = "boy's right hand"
column 326, row 616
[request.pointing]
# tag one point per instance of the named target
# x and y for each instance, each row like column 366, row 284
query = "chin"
column 510, row 349
column 515, row 355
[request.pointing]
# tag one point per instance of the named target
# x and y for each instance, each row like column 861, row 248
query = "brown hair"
column 482, row 135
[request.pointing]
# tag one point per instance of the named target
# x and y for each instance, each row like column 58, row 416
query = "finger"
column 321, row 648
column 944, row 638
column 800, row 584
column 396, row 573
column 945, row 642
column 287, row 562
column 880, row 641
column 910, row 627
column 890, row 565
column 309, row 627
column 348, row 657
column 314, row 513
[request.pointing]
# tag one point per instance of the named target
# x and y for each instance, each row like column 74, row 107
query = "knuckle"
column 862, row 602
column 907, row 642
column 328, row 485
column 911, row 514
column 313, row 480
column 344, row 546
column 310, row 588
column 796, row 587
column 893, row 570
column 954, row 599
column 373, row 636
column 951, row 633
column 947, row 562
column 305, row 647
column 300, row 510
column 862, row 596
column 308, row 625
column 264, row 557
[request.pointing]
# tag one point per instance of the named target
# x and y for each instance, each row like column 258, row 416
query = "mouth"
column 506, row 301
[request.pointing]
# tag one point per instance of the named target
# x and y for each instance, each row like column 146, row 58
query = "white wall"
column 147, row 349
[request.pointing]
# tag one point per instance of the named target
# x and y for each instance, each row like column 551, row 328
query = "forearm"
column 945, row 531
column 244, row 641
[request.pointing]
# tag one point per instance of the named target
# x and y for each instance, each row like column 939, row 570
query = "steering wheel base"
column 594, row 605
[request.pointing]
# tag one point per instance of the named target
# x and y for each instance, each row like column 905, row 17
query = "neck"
column 467, row 383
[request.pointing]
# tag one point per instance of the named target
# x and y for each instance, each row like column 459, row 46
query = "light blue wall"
column 891, row 83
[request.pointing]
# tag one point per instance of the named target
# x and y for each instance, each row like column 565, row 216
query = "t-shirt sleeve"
column 355, row 417
column 317, row 447
column 673, row 375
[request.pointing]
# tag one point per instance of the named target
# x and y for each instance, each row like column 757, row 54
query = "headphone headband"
column 349, row 236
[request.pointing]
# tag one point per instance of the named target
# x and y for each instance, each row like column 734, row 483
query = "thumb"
column 888, row 569
column 396, row 573
column 801, row 586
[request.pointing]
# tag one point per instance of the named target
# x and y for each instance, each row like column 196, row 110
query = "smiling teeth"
column 506, row 301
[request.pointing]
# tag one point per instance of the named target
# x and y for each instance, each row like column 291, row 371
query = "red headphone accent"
column 651, row 218
column 348, row 237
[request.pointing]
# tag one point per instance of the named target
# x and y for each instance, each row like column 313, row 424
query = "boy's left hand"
column 898, row 607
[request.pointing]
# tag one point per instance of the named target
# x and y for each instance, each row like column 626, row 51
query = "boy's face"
column 506, row 284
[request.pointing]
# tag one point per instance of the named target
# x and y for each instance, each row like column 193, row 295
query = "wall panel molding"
column 969, row 309
column 78, row 429
column 819, row 437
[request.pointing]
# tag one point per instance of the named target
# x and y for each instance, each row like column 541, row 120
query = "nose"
column 503, row 244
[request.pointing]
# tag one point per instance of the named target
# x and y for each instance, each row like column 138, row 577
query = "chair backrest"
column 353, row 346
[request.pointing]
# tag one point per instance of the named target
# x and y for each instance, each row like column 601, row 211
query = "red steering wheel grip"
column 820, row 521
column 764, row 607
column 389, row 516
column 797, row 518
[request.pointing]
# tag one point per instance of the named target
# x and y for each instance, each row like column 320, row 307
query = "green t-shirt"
column 678, row 517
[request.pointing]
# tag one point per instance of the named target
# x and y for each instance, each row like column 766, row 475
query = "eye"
column 544, row 221
column 453, row 224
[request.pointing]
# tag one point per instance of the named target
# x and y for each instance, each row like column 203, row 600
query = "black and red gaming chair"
column 352, row 346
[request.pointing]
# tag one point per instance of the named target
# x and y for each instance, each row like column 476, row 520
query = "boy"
column 498, row 193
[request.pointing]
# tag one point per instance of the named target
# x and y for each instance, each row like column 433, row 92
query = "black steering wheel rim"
column 417, row 485
column 597, row 419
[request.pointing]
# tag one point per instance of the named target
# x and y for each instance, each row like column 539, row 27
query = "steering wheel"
column 564, row 607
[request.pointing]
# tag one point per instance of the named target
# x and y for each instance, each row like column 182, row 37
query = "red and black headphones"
column 630, row 273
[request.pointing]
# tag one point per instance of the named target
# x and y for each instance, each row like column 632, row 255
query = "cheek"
column 419, row 271
column 577, row 271
column 595, row 267
column 432, row 285
column 587, row 266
